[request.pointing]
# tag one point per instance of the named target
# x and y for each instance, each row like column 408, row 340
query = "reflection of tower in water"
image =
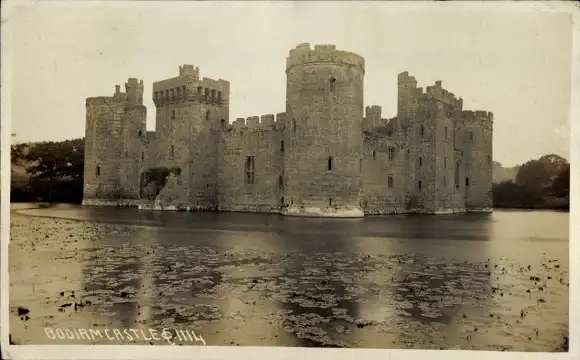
column 315, row 287
column 245, row 262
column 112, row 290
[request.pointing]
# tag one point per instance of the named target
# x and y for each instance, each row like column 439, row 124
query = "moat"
column 494, row 281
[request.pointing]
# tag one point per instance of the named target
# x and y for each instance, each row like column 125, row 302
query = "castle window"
column 250, row 170
column 126, row 153
column 219, row 99
column 444, row 181
column 166, row 94
column 420, row 161
column 184, row 90
column 374, row 155
column 155, row 95
column 470, row 136
column 142, row 155
column 213, row 97
column 422, row 129
column 391, row 153
column 446, row 134
column 140, row 132
column 172, row 94
column 293, row 125
column 207, row 114
column 466, row 181
column 172, row 152
column 445, row 162
column 199, row 93
column 178, row 92
column 98, row 170
column 329, row 201
column 280, row 183
column 332, row 82
column 391, row 181
column 457, row 175
column 420, row 184
column 206, row 95
column 330, row 163
column 282, row 146
column 172, row 114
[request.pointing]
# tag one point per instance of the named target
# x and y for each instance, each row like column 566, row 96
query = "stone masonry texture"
column 325, row 155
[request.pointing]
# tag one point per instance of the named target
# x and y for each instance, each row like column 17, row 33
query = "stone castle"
column 321, row 157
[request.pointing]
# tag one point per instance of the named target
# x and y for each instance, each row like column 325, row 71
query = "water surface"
column 472, row 281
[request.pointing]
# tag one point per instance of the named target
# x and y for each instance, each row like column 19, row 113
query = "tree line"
column 48, row 171
column 539, row 184
column 53, row 172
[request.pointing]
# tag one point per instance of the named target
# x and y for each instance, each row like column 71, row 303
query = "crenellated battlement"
column 259, row 163
column 438, row 93
column 188, row 87
column 189, row 70
column 373, row 112
column 405, row 79
column 304, row 54
column 268, row 122
column 476, row 115
column 134, row 82
column 383, row 127
column 105, row 100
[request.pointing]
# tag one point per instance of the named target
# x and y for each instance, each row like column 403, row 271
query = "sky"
column 517, row 65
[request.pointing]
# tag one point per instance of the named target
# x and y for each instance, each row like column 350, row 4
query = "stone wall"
column 324, row 106
column 103, row 147
column 321, row 157
column 250, row 164
column 133, row 129
column 478, row 156
column 382, row 174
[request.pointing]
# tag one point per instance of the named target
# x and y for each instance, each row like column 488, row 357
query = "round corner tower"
column 103, row 148
column 324, row 112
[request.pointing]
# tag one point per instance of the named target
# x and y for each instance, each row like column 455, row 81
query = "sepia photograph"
column 348, row 175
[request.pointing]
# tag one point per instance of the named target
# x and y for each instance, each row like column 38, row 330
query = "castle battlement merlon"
column 373, row 112
column 134, row 82
column 189, row 77
column 405, row 79
column 477, row 115
column 188, row 87
column 437, row 92
column 119, row 99
column 189, row 70
column 304, row 54
column 266, row 122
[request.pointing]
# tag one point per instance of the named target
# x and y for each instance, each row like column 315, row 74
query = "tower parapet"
column 189, row 70
column 477, row 115
column 304, row 54
column 438, row 93
column 187, row 86
column 134, row 90
column 267, row 122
